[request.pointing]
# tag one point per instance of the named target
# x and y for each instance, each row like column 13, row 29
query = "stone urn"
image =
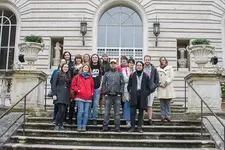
column 201, row 54
column 30, row 51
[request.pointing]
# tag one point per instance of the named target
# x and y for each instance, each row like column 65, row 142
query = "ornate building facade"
column 117, row 27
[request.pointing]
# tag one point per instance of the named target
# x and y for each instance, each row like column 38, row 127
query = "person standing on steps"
column 96, row 73
column 77, row 65
column 83, row 85
column 113, row 88
column 68, row 57
column 165, row 90
column 105, row 68
column 61, row 94
column 126, row 96
column 139, row 89
column 63, row 61
column 154, row 83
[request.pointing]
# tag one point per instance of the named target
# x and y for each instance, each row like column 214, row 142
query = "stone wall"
column 178, row 19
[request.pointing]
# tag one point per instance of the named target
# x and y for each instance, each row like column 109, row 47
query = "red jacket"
column 83, row 88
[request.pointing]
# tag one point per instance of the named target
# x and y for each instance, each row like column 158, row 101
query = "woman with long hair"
column 96, row 73
column 61, row 96
column 87, row 59
column 77, row 65
column 165, row 90
column 83, row 85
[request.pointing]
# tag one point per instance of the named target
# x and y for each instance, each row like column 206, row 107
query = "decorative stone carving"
column 182, row 61
column 30, row 51
column 57, row 50
column 201, row 54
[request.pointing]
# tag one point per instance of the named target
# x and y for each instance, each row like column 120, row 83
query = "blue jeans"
column 82, row 114
column 95, row 102
column 126, row 111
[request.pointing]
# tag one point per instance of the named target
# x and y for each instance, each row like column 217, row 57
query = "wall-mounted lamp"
column 83, row 28
column 156, row 30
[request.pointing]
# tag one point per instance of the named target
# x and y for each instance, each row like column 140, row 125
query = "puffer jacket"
column 113, row 82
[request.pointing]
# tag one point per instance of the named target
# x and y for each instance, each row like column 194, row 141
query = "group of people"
column 81, row 83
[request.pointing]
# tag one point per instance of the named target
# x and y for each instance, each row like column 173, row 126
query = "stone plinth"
column 208, row 87
column 23, row 81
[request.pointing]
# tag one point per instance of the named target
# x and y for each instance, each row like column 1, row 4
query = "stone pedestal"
column 23, row 81
column 208, row 87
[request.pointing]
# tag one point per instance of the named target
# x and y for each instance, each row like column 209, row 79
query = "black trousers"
column 60, row 115
column 72, row 110
column 133, row 113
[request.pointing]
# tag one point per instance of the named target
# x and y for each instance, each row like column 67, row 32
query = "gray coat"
column 61, row 88
column 113, row 82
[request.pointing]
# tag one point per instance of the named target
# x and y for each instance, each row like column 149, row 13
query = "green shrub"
column 222, row 89
column 33, row 38
column 200, row 41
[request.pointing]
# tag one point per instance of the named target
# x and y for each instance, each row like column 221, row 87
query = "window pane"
column 5, row 35
column 13, row 19
column 104, row 19
column 113, row 34
column 0, row 17
column 114, row 20
column 3, row 56
column 101, row 36
column 11, row 58
column 127, row 36
column 126, row 20
column 138, row 37
column 12, row 36
column 137, row 19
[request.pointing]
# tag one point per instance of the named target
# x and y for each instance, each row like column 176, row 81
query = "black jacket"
column 154, row 79
column 145, row 90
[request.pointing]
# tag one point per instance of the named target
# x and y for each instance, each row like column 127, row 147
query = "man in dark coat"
column 139, row 89
column 113, row 88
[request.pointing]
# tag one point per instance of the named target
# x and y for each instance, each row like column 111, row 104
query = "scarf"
column 85, row 75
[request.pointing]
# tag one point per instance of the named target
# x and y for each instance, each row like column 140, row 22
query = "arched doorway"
column 120, row 33
column 8, row 25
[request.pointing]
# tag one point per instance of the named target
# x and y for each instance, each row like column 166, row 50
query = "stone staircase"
column 180, row 133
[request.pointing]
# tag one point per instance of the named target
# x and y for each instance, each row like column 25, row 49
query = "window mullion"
column 1, row 29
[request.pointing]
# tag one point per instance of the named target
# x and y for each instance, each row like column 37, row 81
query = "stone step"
column 154, row 111
column 114, row 142
column 123, row 122
column 50, row 126
column 19, row 146
column 115, row 135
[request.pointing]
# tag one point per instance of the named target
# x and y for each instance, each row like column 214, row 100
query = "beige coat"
column 166, row 77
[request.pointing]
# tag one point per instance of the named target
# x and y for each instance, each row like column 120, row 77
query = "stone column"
column 23, row 81
column 208, row 87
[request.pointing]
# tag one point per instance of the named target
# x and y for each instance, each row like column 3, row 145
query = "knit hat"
column 140, row 62
column 104, row 55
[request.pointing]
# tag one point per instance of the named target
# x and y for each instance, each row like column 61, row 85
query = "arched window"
column 7, row 38
column 120, row 33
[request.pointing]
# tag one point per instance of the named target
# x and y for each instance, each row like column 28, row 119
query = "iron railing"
column 24, row 98
column 203, row 102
